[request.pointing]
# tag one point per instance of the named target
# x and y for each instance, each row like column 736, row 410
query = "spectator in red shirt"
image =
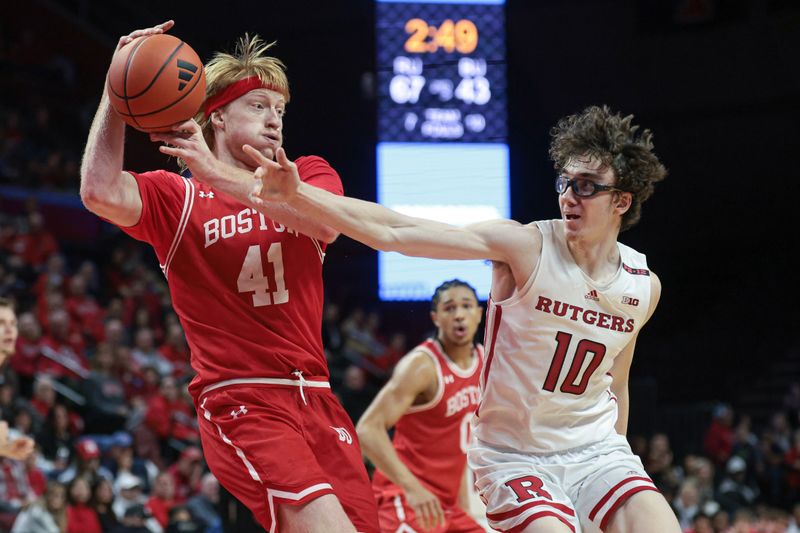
column 83, row 308
column 187, row 473
column 62, row 351
column 163, row 498
column 44, row 396
column 718, row 441
column 176, row 350
column 792, row 462
column 169, row 416
column 35, row 245
column 28, row 351
column 81, row 517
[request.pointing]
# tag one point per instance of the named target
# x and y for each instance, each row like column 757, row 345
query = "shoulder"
column 312, row 163
column 317, row 171
column 163, row 176
column 417, row 367
column 655, row 293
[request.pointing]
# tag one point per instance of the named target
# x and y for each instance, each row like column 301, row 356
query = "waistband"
column 301, row 382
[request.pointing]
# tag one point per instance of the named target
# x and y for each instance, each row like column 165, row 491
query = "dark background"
column 717, row 81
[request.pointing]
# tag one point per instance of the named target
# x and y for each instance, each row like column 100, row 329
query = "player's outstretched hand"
column 426, row 506
column 186, row 142
column 19, row 448
column 275, row 181
column 161, row 28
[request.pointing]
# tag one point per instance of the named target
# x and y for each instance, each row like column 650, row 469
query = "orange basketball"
column 155, row 82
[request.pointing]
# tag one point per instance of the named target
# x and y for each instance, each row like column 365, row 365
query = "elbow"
column 364, row 430
column 90, row 196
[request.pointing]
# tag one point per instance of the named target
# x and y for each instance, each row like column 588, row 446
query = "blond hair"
column 248, row 60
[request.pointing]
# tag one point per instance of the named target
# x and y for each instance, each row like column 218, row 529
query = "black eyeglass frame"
column 563, row 183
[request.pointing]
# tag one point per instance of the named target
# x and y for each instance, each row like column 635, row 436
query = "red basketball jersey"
column 248, row 290
column 431, row 439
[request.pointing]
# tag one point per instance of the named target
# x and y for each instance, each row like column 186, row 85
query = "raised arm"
column 384, row 229
column 105, row 189
column 620, row 371
column 414, row 375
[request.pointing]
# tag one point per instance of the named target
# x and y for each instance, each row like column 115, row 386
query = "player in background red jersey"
column 420, row 479
column 247, row 287
column 16, row 447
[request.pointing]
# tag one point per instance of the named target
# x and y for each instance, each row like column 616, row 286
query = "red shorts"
column 394, row 513
column 268, row 447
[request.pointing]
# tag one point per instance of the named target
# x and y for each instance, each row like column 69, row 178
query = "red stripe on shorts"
column 519, row 510
column 622, row 499
column 535, row 516
column 608, row 495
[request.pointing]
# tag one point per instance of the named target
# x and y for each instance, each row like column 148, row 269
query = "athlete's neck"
column 598, row 260
column 459, row 354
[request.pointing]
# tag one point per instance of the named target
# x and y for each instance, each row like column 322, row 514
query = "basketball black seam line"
column 158, row 74
column 187, row 93
column 125, row 80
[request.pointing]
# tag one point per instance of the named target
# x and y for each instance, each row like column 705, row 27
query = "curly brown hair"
column 609, row 137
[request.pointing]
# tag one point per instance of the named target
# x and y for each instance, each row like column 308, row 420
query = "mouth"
column 570, row 216
column 460, row 330
column 273, row 137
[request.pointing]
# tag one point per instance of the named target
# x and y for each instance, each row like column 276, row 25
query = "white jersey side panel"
column 550, row 346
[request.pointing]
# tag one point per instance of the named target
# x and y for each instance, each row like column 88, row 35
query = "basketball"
column 155, row 82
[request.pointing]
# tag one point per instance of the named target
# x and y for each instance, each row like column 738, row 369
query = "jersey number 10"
column 584, row 347
column 252, row 278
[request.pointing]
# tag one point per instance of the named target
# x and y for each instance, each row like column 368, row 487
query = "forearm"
column 623, row 404
column 102, row 160
column 378, row 448
column 381, row 228
column 238, row 183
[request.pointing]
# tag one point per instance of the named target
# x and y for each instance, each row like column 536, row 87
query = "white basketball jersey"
column 550, row 346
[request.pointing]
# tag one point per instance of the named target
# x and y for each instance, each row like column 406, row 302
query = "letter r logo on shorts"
column 528, row 487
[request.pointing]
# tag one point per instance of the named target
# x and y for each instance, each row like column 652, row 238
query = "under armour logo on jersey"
column 344, row 435
column 449, row 379
column 209, row 194
column 242, row 411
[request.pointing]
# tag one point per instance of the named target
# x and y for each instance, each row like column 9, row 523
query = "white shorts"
column 581, row 487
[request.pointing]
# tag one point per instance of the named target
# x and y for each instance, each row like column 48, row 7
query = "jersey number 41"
column 252, row 278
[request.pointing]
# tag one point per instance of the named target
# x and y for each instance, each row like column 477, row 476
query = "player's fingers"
column 429, row 516
column 165, row 26
column 170, row 150
column 187, row 126
column 259, row 158
column 283, row 161
column 438, row 514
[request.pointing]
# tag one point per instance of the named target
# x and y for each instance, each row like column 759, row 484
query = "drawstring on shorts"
column 299, row 374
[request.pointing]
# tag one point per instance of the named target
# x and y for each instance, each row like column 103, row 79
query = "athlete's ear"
column 434, row 318
column 624, row 201
column 217, row 119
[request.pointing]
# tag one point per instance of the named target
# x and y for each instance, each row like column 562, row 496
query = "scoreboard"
column 442, row 149
column 441, row 72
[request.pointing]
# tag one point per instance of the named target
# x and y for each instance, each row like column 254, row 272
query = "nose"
column 274, row 120
column 569, row 196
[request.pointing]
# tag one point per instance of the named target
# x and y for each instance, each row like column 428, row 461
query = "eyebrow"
column 582, row 174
